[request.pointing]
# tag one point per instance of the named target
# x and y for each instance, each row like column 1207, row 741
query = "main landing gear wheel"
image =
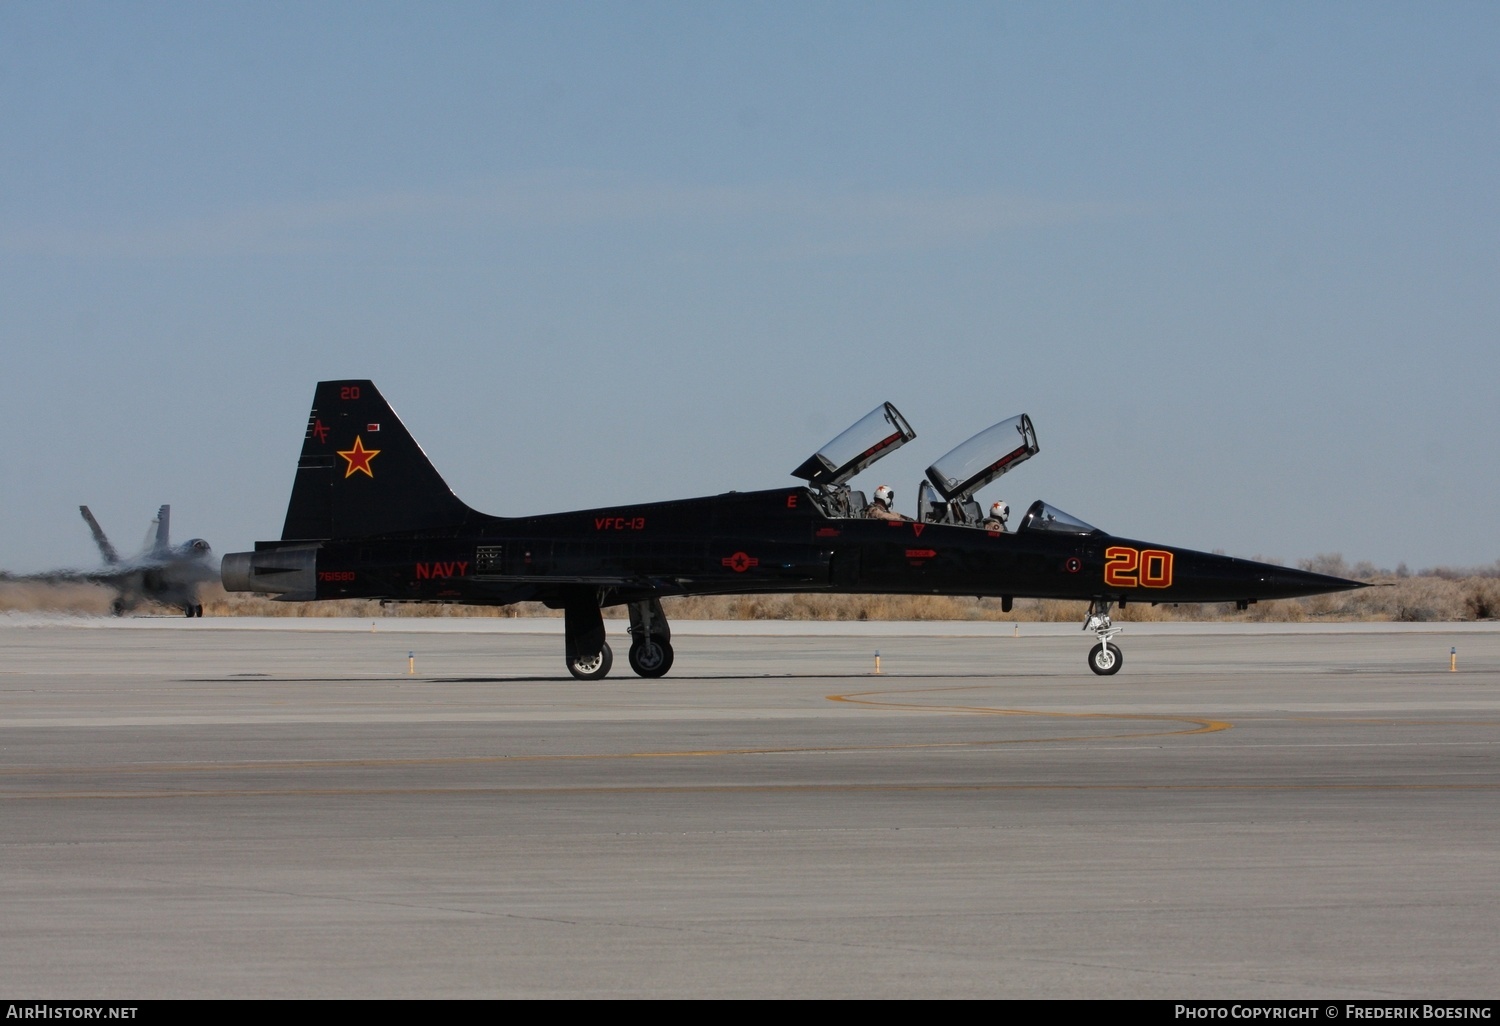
column 650, row 638
column 1105, row 658
column 594, row 667
column 650, row 657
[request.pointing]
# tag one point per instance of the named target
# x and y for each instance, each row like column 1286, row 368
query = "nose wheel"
column 1105, row 658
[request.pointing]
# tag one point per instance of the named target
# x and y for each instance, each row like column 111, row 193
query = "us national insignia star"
column 359, row 458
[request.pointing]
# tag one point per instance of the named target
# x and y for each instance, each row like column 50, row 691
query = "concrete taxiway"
column 432, row 808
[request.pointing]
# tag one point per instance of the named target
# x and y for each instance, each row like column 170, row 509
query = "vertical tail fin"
column 362, row 474
column 105, row 548
column 163, row 530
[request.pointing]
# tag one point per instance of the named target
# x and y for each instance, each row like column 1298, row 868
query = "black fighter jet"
column 163, row 573
column 371, row 518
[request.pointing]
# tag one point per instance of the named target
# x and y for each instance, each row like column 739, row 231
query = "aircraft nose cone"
column 1287, row 583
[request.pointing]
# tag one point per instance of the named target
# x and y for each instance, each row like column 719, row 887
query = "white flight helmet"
column 885, row 495
column 1000, row 511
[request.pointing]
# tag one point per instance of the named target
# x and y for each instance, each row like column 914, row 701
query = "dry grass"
column 1430, row 597
column 35, row 596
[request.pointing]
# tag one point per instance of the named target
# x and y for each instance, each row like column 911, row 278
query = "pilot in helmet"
column 880, row 509
column 999, row 514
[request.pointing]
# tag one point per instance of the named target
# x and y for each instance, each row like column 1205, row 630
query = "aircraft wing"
column 113, row 576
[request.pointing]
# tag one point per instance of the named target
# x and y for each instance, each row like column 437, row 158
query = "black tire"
column 1105, row 660
column 592, row 668
column 650, row 657
column 198, row 610
column 117, row 608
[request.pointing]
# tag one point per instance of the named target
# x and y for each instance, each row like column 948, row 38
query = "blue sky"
column 1239, row 262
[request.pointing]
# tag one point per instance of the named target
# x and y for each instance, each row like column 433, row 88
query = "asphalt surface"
column 413, row 809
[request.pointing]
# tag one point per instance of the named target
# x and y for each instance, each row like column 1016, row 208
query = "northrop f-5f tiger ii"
column 370, row 517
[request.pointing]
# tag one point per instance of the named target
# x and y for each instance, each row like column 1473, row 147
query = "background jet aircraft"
column 370, row 517
column 161, row 573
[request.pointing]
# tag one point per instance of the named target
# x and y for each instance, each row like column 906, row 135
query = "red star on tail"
column 359, row 458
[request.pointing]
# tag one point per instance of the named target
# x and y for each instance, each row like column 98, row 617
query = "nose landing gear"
column 1105, row 658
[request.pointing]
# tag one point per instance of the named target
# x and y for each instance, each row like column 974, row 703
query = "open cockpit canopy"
column 879, row 433
column 983, row 458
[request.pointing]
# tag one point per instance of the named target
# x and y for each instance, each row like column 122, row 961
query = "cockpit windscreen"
column 1042, row 517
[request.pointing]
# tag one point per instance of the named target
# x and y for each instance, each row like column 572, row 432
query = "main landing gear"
column 585, row 652
column 650, row 644
column 588, row 656
column 592, row 667
column 1104, row 658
